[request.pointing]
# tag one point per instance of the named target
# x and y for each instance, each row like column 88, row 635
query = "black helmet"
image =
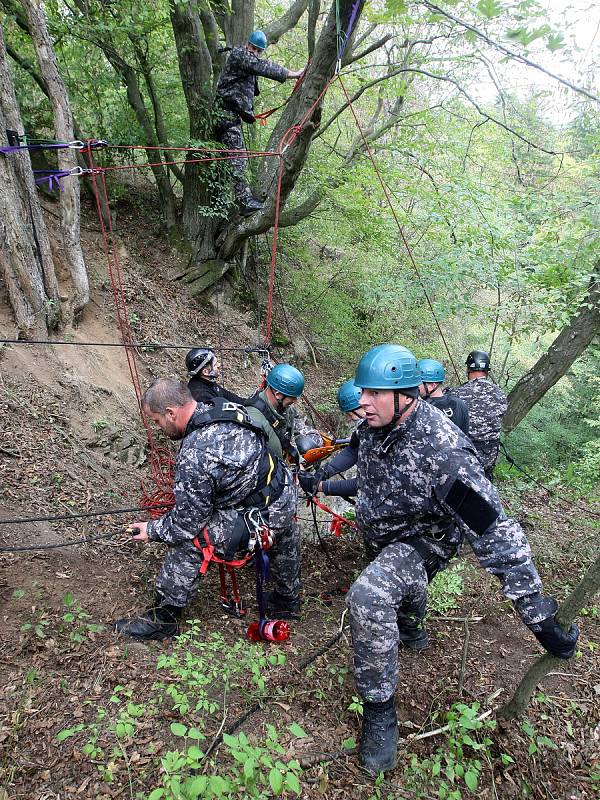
column 197, row 359
column 478, row 360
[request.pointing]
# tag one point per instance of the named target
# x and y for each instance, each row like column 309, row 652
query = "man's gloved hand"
column 309, row 481
column 554, row 638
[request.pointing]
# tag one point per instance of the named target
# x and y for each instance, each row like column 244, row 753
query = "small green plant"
column 458, row 764
column 99, row 424
column 445, row 589
column 356, row 705
column 38, row 623
column 76, row 621
column 198, row 674
column 254, row 769
column 536, row 742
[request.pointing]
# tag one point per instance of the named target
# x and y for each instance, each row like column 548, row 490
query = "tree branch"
column 507, row 51
column 275, row 29
column 370, row 49
column 29, row 68
column 569, row 609
column 479, row 110
column 355, row 97
column 313, row 17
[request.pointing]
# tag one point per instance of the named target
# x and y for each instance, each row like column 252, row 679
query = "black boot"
column 379, row 737
column 157, row 622
column 411, row 632
column 280, row 607
column 249, row 205
column 413, row 638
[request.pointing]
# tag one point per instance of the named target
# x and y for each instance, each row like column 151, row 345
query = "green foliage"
column 456, row 765
column 446, row 588
column 77, row 621
column 199, row 674
column 536, row 742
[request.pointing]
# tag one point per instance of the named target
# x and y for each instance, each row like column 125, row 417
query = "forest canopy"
column 483, row 123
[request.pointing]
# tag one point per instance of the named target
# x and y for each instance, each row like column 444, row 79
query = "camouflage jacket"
column 487, row 405
column 282, row 430
column 238, row 84
column 405, row 481
column 217, row 467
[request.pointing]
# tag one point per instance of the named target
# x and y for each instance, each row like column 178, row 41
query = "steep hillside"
column 86, row 714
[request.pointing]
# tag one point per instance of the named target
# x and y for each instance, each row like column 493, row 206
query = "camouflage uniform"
column 236, row 90
column 487, row 405
column 217, row 468
column 408, row 479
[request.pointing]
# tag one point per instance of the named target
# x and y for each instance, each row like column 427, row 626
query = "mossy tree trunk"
column 26, row 263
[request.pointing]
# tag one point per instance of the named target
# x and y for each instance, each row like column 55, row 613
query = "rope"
column 54, row 546
column 272, row 270
column 257, row 706
column 388, row 198
column 79, row 515
column 264, row 115
column 235, row 154
column 161, row 463
column 137, row 345
column 324, row 548
column 551, row 492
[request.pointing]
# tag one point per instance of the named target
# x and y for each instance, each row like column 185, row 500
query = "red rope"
column 388, row 198
column 337, row 521
column 188, row 149
column 186, row 161
column 266, row 114
column 292, row 132
column 272, row 271
column 161, row 462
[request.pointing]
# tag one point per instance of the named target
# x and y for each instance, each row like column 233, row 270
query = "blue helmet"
column 387, row 366
column 258, row 39
column 431, row 371
column 286, row 379
column 348, row 396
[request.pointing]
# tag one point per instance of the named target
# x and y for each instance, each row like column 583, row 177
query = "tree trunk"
column 583, row 593
column 25, row 256
column 564, row 350
column 67, row 159
column 195, row 69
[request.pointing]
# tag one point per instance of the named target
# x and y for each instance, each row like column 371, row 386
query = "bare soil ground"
column 71, row 441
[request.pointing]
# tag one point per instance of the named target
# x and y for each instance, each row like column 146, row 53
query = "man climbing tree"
column 234, row 103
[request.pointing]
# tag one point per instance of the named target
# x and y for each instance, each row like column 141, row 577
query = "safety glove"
column 309, row 481
column 554, row 638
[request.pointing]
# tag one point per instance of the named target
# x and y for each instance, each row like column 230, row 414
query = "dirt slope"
column 71, row 440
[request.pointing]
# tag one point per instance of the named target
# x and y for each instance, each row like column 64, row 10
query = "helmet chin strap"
column 397, row 411
column 212, row 376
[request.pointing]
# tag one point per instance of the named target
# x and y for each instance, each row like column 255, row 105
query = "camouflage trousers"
column 488, row 455
column 229, row 133
column 391, row 590
column 179, row 576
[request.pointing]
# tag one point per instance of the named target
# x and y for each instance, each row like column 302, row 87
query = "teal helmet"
column 348, row 396
column 286, row 379
column 388, row 366
column 258, row 39
column 431, row 371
